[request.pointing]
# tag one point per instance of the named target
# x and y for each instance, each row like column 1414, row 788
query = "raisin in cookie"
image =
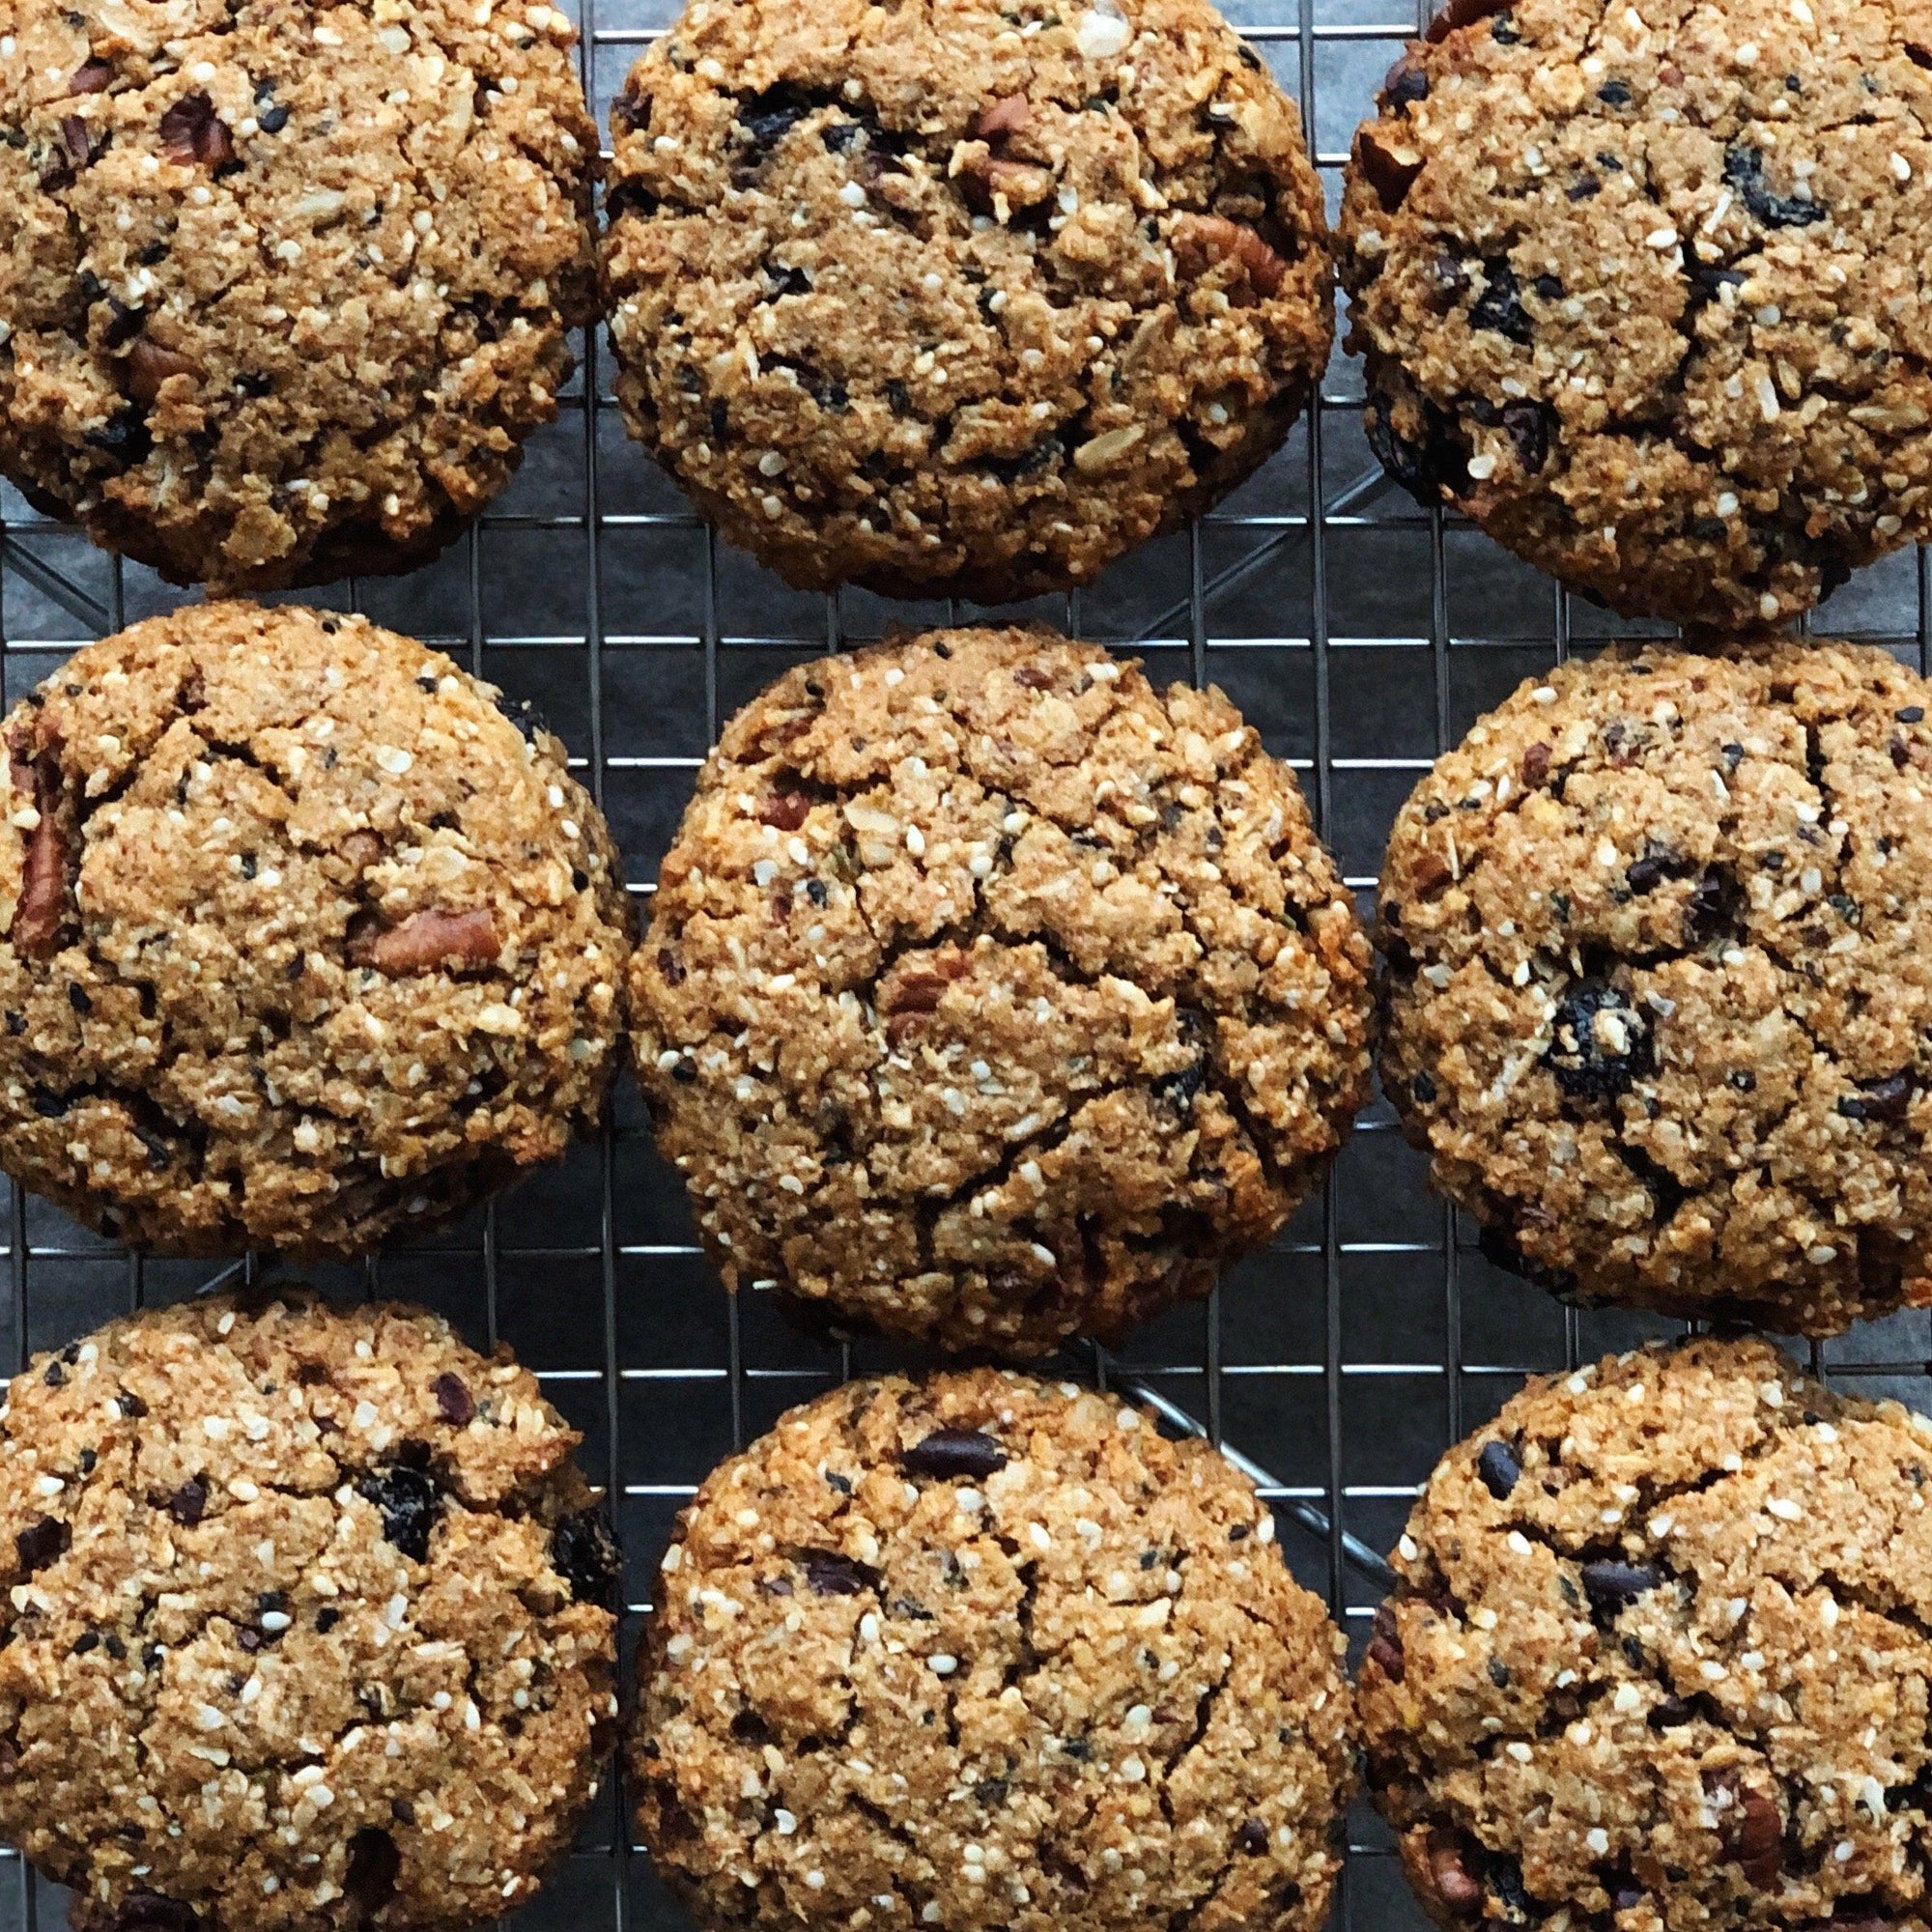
column 304, row 943
column 308, row 1622
column 1659, row 981
column 963, row 301
column 284, row 287
column 990, row 997
column 1638, row 290
column 1657, row 1657
column 984, row 1652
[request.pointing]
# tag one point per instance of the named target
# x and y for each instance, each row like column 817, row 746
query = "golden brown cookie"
column 305, row 945
column 982, row 1652
column 307, row 1622
column 962, row 300
column 1657, row 1657
column 284, row 287
column 1638, row 290
column 1659, row 981
column 992, row 997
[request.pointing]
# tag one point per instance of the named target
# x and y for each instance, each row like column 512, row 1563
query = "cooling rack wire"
column 1361, row 635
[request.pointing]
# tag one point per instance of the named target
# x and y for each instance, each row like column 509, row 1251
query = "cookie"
column 986, row 1652
column 1656, row 1655
column 962, row 302
column 1659, row 982
column 308, row 1622
column 306, row 943
column 990, row 997
column 1638, row 291
column 283, row 288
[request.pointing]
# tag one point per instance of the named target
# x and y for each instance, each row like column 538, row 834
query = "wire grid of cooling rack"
column 1360, row 634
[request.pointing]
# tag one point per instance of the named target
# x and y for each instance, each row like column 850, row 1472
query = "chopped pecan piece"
column 431, row 938
column 1005, row 116
column 41, row 911
column 192, row 131
column 1200, row 240
column 915, row 996
column 1388, row 168
column 149, row 365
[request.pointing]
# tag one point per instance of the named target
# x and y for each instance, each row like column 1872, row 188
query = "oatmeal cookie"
column 964, row 301
column 284, row 287
column 990, row 997
column 308, row 1622
column 1638, row 287
column 982, row 1652
column 1659, row 981
column 304, row 943
column 1656, row 1655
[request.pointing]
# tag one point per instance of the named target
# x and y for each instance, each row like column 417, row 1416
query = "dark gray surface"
column 1360, row 641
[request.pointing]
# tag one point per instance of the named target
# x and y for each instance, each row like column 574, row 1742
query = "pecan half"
column 1201, row 240
column 40, row 912
column 192, row 131
column 431, row 938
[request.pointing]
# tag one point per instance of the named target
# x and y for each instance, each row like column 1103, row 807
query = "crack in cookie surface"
column 306, row 943
column 1658, row 990
column 984, row 1652
column 991, row 997
column 303, row 1622
column 1637, row 290
column 284, row 289
column 958, row 298
column 1657, row 1655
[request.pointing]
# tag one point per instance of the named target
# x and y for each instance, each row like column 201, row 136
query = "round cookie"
column 1639, row 292
column 1658, row 992
column 984, row 1652
column 284, row 287
column 308, row 1622
column 990, row 997
column 960, row 301
column 1656, row 1655
column 306, row 943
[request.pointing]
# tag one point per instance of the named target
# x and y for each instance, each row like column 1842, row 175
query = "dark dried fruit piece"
column 1449, row 1876
column 1536, row 764
column 92, row 76
column 1613, row 1586
column 410, row 1503
column 769, row 116
column 372, row 1868
column 1201, row 240
column 583, row 1552
column 1744, row 170
column 1656, row 862
column 1252, row 1839
column 1599, row 1044
column 832, row 1575
column 191, row 133
column 1463, row 13
column 453, row 1401
column 188, row 1502
column 950, row 1454
column 1389, row 169
column 42, row 1543
column 1499, row 1469
column 1385, row 1645
column 786, row 809
column 1527, row 426
column 1499, row 307
column 1889, row 1098
column 1405, row 83
column 151, row 1911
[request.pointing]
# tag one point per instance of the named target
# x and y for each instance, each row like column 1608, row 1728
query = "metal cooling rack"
column 1360, row 635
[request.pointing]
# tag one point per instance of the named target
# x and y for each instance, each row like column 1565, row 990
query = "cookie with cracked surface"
column 284, row 288
column 304, row 946
column 1659, row 981
column 960, row 301
column 308, row 1622
column 1638, row 291
column 991, row 997
column 1656, row 1655
column 982, row 1650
